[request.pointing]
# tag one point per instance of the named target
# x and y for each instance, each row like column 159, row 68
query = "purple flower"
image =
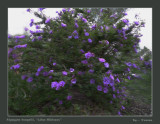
column 40, row 69
column 92, row 81
column 45, row 73
column 136, row 22
column 82, row 51
column 111, row 83
column 37, row 27
column 48, row 20
column 114, row 26
column 105, row 90
column 51, row 71
column 91, row 71
column 63, row 25
column 64, row 10
column 19, row 37
column 54, row 64
column 58, row 87
column 99, row 88
column 54, row 84
column 125, row 21
column 37, row 74
column 15, row 66
column 88, row 55
column 102, row 60
column 106, row 80
column 129, row 77
column 122, row 107
column 16, row 60
column 84, row 62
column 34, row 39
column 125, row 13
column 111, row 102
column 69, row 97
column 62, row 83
column 9, row 36
column 32, row 20
column 118, row 91
column 106, row 65
column 76, row 25
column 94, row 26
column 107, row 42
column 128, row 69
column 80, row 72
column 23, row 77
column 86, row 34
column 106, row 27
column 41, row 9
column 114, row 96
column 101, row 10
column 128, row 63
column 38, row 31
column 118, row 80
column 60, row 102
column 71, row 70
column 84, row 20
column 30, row 79
column 89, row 40
column 73, row 81
column 28, row 10
column 88, row 11
column 39, row 37
column 31, row 24
column 76, row 37
column 50, row 77
column 113, row 88
column 114, row 15
column 69, row 37
column 64, row 73
column 101, row 27
column 14, row 56
column 119, row 113
column 111, row 76
column 134, row 65
column 50, row 32
column 26, row 29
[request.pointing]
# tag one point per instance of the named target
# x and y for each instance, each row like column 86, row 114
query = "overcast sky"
column 19, row 18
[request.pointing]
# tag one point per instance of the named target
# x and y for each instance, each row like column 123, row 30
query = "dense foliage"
column 76, row 55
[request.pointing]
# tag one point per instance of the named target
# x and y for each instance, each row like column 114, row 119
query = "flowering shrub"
column 74, row 51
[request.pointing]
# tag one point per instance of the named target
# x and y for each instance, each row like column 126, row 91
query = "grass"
column 139, row 96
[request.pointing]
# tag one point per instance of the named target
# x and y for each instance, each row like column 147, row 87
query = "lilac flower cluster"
column 84, row 20
column 15, row 66
column 63, row 25
column 48, row 20
column 20, row 37
column 31, row 23
column 89, row 55
column 126, row 21
column 41, row 9
column 57, row 85
column 20, row 46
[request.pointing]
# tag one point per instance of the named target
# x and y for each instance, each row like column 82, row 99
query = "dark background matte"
column 82, row 3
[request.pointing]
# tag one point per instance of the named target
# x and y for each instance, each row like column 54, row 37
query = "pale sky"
column 19, row 18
